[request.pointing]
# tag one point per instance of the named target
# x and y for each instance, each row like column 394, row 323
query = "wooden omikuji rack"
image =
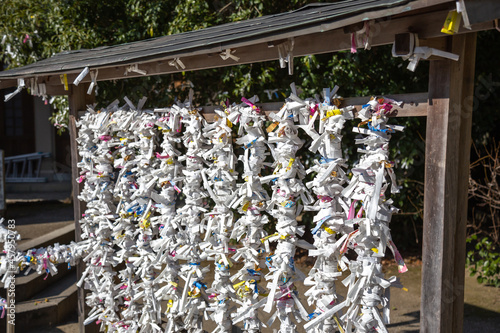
column 326, row 29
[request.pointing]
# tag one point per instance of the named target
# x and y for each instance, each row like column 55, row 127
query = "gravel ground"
column 482, row 303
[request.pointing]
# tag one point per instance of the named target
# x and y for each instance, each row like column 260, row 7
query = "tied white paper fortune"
column 97, row 174
column 330, row 223
column 97, row 222
column 367, row 287
column 176, row 237
column 287, row 188
column 132, row 174
column 168, row 178
column 220, row 182
column 120, row 171
column 193, row 303
column 43, row 260
column 249, row 228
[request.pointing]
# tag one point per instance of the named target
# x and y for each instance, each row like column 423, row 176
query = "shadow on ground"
column 476, row 319
column 413, row 318
column 481, row 312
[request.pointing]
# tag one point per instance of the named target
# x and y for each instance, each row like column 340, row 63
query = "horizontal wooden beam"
column 383, row 33
column 55, row 90
column 415, row 105
column 130, row 54
column 427, row 25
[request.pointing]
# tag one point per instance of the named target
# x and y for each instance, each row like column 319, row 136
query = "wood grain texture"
column 466, row 108
column 436, row 247
column 447, row 153
column 78, row 99
column 415, row 105
column 319, row 38
column 77, row 214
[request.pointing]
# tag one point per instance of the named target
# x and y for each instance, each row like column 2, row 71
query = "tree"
column 33, row 30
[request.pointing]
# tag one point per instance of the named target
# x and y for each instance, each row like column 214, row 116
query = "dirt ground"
column 482, row 306
column 482, row 303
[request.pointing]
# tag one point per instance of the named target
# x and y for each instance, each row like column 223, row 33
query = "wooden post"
column 11, row 297
column 78, row 100
column 446, row 179
column 466, row 108
column 2, row 185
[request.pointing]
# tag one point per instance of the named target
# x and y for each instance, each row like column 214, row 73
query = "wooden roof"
column 317, row 28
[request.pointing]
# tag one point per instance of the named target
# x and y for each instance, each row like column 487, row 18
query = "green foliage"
column 54, row 27
column 484, row 261
column 34, row 30
column 486, row 96
column 60, row 118
column 483, row 257
column 38, row 29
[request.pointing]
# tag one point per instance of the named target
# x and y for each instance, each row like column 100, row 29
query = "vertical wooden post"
column 11, row 297
column 466, row 107
column 446, row 179
column 9, row 327
column 2, row 185
column 78, row 100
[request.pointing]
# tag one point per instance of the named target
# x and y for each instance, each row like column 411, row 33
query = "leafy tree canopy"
column 32, row 30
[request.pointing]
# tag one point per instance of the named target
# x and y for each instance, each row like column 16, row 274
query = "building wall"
column 44, row 131
column 25, row 128
column 44, row 136
column 17, row 124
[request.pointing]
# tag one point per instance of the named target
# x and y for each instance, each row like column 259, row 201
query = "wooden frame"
column 266, row 50
column 78, row 100
column 447, row 106
column 447, row 138
column 310, row 41
column 445, row 214
column 447, row 154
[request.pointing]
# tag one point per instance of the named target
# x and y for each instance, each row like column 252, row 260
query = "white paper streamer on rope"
column 169, row 177
column 93, row 81
column 193, row 303
column 95, row 141
column 20, row 86
column 368, row 289
column 177, row 63
column 127, row 139
column 287, row 190
column 249, row 228
column 43, row 260
column 135, row 69
column 330, row 218
column 285, row 54
column 132, row 174
column 81, row 76
column 145, row 129
column 229, row 54
column 362, row 37
column 220, row 182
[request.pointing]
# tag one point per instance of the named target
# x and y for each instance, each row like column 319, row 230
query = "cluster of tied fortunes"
column 165, row 206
